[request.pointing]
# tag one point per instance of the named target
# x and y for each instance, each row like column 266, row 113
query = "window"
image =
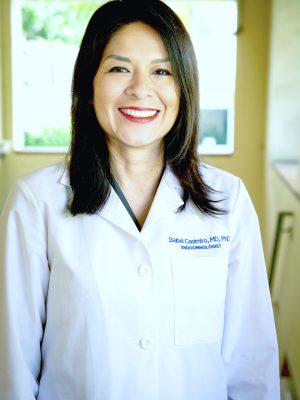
column 45, row 39
column 212, row 25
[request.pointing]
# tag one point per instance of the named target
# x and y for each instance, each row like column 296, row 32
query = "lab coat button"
column 146, row 343
column 144, row 270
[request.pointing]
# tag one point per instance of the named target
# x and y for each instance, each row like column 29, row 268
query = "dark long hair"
column 89, row 167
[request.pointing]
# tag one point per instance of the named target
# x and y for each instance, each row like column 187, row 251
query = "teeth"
column 138, row 114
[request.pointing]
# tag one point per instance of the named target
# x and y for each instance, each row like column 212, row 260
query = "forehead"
column 136, row 37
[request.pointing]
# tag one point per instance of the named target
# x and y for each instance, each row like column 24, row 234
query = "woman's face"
column 136, row 99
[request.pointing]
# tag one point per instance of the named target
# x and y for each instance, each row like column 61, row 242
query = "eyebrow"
column 126, row 59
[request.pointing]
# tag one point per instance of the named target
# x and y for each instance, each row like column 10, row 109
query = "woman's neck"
column 138, row 173
column 138, row 166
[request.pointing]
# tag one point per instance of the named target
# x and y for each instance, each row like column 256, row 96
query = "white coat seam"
column 237, row 196
column 25, row 188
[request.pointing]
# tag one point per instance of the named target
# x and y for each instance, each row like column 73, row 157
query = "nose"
column 139, row 86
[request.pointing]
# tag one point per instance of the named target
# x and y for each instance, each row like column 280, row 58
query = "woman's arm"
column 24, row 276
column 249, row 347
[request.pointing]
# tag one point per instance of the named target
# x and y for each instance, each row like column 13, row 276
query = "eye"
column 162, row 71
column 118, row 69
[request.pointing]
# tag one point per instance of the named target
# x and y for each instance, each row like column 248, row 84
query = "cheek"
column 171, row 98
column 173, row 107
column 104, row 94
column 104, row 101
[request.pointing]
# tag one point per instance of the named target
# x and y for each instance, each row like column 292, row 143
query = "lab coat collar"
column 171, row 179
column 174, row 184
column 167, row 200
column 65, row 179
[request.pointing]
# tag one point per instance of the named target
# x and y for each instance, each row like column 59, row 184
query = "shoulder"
column 50, row 176
column 42, row 189
column 227, row 188
column 218, row 179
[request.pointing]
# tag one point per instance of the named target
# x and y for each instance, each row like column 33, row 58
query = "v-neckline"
column 123, row 199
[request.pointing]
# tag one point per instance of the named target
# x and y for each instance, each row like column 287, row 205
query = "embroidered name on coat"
column 207, row 243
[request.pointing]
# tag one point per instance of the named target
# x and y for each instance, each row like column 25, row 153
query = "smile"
column 137, row 114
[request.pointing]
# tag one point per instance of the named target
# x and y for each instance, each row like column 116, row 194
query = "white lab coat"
column 93, row 309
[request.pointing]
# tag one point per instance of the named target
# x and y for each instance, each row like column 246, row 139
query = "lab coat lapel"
column 113, row 211
column 167, row 199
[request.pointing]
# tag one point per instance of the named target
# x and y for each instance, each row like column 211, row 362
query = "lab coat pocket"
column 199, row 285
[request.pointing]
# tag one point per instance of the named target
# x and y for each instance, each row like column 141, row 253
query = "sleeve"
column 249, row 347
column 24, row 275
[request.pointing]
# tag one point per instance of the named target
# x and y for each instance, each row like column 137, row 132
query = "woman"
column 135, row 272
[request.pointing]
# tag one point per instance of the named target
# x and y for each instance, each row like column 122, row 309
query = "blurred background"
column 248, row 54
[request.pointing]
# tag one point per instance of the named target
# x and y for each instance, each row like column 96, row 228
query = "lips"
column 139, row 114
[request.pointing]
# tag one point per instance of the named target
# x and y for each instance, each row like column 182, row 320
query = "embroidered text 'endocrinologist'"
column 212, row 242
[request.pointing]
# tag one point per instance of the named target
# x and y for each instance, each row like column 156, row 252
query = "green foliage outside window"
column 52, row 30
column 56, row 20
column 50, row 137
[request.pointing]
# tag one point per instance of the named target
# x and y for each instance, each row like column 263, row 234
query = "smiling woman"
column 134, row 264
column 136, row 98
column 136, row 102
column 169, row 86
